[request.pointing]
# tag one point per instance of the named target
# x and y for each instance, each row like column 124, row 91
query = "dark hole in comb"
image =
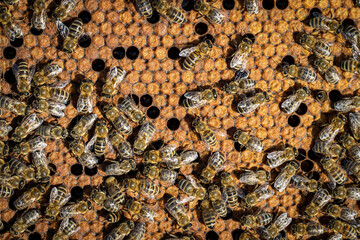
column 52, row 169
column 85, row 16
column 132, row 173
column 36, row 32
column 153, row 112
column 9, row 53
column 9, row 76
column 31, row 228
column 302, row 109
column 18, row 42
column 132, row 52
column 91, row 171
column 229, row 214
column 307, row 165
column 282, row 4
column 187, row 5
column 119, row 53
column 212, row 235
column 250, row 36
column 85, row 41
column 155, row 17
column 313, row 155
column 334, row 95
column 173, row 53
column 314, row 175
column 98, row 65
column 268, row 4
column 146, row 100
column 294, row 121
column 228, row 4
column 201, row 28
column 315, row 12
column 239, row 147
column 173, row 124
column 135, row 98
column 158, row 144
column 301, row 155
column 208, row 36
column 348, row 22
column 288, row 59
column 76, row 169
column 34, row 236
column 77, row 192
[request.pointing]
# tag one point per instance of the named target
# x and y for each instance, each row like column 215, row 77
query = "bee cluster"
column 143, row 175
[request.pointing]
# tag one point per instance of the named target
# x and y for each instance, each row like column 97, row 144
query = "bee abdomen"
column 349, row 65
column 307, row 74
column 191, row 60
column 232, row 196
column 210, row 138
column 113, row 217
column 144, row 7
column 6, row 191
column 76, row 28
column 175, row 15
column 220, row 208
column 322, row 49
column 100, row 146
column 209, row 217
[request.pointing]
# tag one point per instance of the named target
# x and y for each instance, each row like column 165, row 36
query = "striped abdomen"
column 192, row 60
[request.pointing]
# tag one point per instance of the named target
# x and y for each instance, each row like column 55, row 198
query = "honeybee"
column 241, row 82
column 251, row 143
column 322, row 23
column 52, row 93
column 11, row 30
column 342, row 192
column 183, row 158
column 307, row 229
column 352, row 34
column 13, row 105
column 292, row 103
column 143, row 211
column 336, row 174
column 120, row 168
column 34, row 144
column 116, row 195
column 47, row 74
column 85, row 157
column 330, row 73
column 283, row 179
column 328, row 148
column 250, row 177
column 129, row 108
column 68, row 227
column 85, row 101
column 215, row 164
column 120, row 144
column 320, row 48
column 342, row 212
column 72, row 35
column 38, row 19
column 250, row 104
column 40, row 163
column 121, row 231
column 28, row 124
column 14, row 182
column 144, row 7
column 278, row 225
column 4, row 149
column 6, row 191
column 23, row 75
column 143, row 138
column 199, row 98
column 258, row 220
column 321, row 96
column 346, row 230
column 350, row 65
column 113, row 217
column 171, row 13
column 98, row 196
column 51, row 107
column 347, row 104
column 84, row 124
column 354, row 122
column 71, row 210
column 211, row 13
column 164, row 154
column 4, row 128
column 19, row 168
column 240, row 57
column 26, row 220
column 329, row 132
column 230, row 189
column 29, row 197
column 138, row 233
column 119, row 122
column 206, row 134
column 178, row 212
column 351, row 145
column 100, row 139
column 195, row 54
column 252, row 6
column 305, row 74
column 351, row 166
column 64, row 8
column 259, row 194
column 58, row 198
column 304, row 183
column 145, row 187
column 191, row 188
column 52, row 131
column 154, row 172
column 320, row 199
column 209, row 215
column 113, row 78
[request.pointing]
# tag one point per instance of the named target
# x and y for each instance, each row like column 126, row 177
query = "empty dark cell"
column 158, row 144
column 313, row 156
column 250, row 36
column 36, row 32
column 268, row 4
column 173, row 53
column 173, row 124
column 187, row 5
column 133, row 173
column 77, row 192
column 307, row 165
column 119, row 53
column 146, row 100
column 153, row 112
column 348, row 22
column 85, row 41
column 334, row 95
column 228, row 215
column 282, row 4
column 31, row 228
column 52, row 169
column 301, row 155
column 314, row 175
column 98, row 65
column 228, row 4
column 201, row 28
column 34, row 236
column 288, row 59
column 18, row 42
column 9, row 52
column 9, row 76
column 76, row 169
column 315, row 12
column 209, row 36
column 135, row 98
column 155, row 18
column 85, row 16
column 302, row 109
column 132, row 53
column 239, row 147
column 294, row 121
column 91, row 171
column 212, row 235
column 236, row 234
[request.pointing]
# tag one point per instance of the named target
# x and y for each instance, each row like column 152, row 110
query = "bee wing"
column 194, row 96
column 84, row 103
column 216, row 16
column 240, row 58
column 186, row 199
column 282, row 181
column 57, row 108
column 322, row 197
column 31, row 74
column 83, row 38
column 146, row 129
column 192, row 181
column 332, row 182
column 327, row 133
column 15, row 70
column 274, row 155
column 344, row 105
column 56, row 70
column 64, row 223
column 168, row 150
column 90, row 144
column 59, row 84
column 53, row 194
column 63, row 29
column 354, row 120
column 248, row 177
column 241, row 74
column 336, row 237
column 262, row 188
column 186, row 52
column 240, row 193
column 111, row 74
column 248, row 105
column 332, row 75
column 189, row 156
column 283, row 221
column 290, row 101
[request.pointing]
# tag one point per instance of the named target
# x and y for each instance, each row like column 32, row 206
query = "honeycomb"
column 147, row 50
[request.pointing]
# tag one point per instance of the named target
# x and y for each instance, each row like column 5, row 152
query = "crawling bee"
column 47, row 74
column 354, row 122
column 58, row 198
column 116, row 195
column 328, row 148
column 307, row 229
column 138, row 233
column 118, row 121
column 184, row 158
column 351, row 145
column 250, row 104
column 253, row 144
column 163, row 155
column 342, row 192
column 171, row 13
column 41, row 164
column 144, row 7
column 258, row 220
column 51, row 107
column 278, row 225
column 100, row 140
column 304, row 183
column 206, row 134
column 29, row 197
column 52, row 131
column 230, row 190
column 209, row 215
column 305, row 74
column 143, row 211
column 330, row 73
column 352, row 34
column 129, row 108
column 26, row 220
column 250, row 177
column 71, row 210
column 121, row 231
column 83, row 125
column 14, row 182
column 240, row 56
column 34, row 144
column 11, row 30
column 347, row 104
column 4, row 128
column 191, row 188
column 38, row 19
column 85, row 157
column 73, row 35
column 64, row 8
column 252, row 6
column 13, row 105
column 23, row 75
column 143, row 138
column 19, row 168
column 322, row 23
column 350, row 65
column 154, row 172
column 212, row 14
column 215, row 164
column 329, row 132
column 319, row 47
column 283, row 179
column 178, row 212
column 120, row 168
column 351, row 166
column 6, row 191
column 336, row 174
column 120, row 144
column 292, row 103
column 241, row 82
column 320, row 199
column 52, row 93
column 199, row 98
column 85, row 101
column 259, row 194
column 346, row 230
column 28, row 124
column 145, row 187
column 113, row 78
column 68, row 227
column 195, row 54
column 342, row 212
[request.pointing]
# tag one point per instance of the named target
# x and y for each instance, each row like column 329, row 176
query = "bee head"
column 214, row 93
